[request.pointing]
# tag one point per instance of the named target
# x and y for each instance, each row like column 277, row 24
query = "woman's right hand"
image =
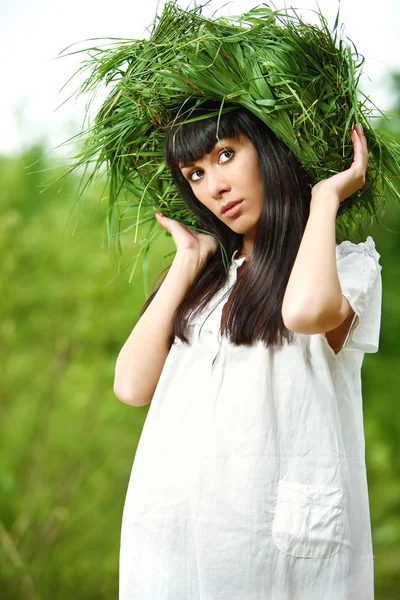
column 200, row 245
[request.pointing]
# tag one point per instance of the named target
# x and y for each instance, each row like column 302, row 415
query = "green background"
column 67, row 443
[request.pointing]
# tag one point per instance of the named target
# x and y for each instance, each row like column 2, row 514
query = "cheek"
column 196, row 190
column 205, row 201
column 255, row 184
column 208, row 205
column 203, row 197
column 259, row 184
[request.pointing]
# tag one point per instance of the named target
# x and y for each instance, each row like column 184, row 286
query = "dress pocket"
column 308, row 520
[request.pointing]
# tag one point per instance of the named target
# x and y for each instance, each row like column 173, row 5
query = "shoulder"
column 359, row 270
column 366, row 249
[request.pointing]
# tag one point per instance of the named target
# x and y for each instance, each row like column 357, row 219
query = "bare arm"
column 313, row 301
column 142, row 358
column 143, row 355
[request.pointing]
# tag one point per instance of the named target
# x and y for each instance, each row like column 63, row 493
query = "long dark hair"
column 253, row 310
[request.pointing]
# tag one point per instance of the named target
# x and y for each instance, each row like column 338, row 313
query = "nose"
column 217, row 183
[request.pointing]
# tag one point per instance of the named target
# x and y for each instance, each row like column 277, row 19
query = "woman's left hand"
column 344, row 184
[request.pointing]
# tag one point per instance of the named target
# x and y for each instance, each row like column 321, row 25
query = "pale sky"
column 33, row 33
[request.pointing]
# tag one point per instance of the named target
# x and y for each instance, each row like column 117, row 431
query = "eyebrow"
column 191, row 164
column 186, row 165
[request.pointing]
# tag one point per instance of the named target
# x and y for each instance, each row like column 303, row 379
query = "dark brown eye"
column 227, row 154
column 191, row 175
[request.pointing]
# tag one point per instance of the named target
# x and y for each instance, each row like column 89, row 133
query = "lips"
column 229, row 205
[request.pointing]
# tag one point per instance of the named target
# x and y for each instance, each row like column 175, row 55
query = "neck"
column 247, row 246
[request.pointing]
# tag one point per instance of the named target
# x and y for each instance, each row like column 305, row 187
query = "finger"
column 163, row 221
column 362, row 138
column 360, row 148
column 361, row 135
column 171, row 225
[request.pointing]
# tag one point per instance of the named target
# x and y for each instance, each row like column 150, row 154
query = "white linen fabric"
column 249, row 480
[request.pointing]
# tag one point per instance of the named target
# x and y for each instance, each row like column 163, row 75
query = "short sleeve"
column 360, row 278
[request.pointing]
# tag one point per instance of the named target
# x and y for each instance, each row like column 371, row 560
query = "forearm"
column 143, row 355
column 313, row 288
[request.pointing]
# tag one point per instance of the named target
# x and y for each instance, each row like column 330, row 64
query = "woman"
column 249, row 480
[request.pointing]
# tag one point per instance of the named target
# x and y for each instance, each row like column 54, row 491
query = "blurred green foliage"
column 67, row 443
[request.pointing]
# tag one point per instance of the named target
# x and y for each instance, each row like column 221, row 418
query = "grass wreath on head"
column 300, row 79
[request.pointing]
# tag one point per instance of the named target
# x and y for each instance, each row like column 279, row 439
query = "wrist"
column 187, row 264
column 325, row 201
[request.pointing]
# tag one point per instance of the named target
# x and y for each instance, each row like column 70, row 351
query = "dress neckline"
column 238, row 261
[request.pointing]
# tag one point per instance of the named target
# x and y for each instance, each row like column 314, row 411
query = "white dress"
column 249, row 480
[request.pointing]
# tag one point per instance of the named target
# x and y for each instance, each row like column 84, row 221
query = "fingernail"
column 360, row 128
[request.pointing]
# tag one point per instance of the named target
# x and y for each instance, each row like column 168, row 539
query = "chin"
column 241, row 228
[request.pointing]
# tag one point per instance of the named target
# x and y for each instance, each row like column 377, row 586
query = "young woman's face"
column 228, row 182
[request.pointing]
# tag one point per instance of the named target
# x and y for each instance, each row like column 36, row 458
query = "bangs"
column 187, row 142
